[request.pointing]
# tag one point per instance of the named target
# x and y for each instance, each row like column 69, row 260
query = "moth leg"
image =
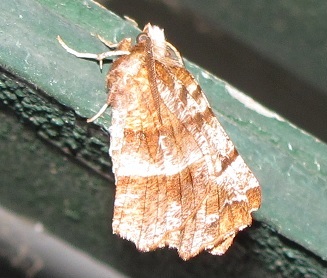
column 99, row 57
column 107, row 43
column 98, row 114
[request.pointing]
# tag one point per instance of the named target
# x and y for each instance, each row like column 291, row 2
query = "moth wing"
column 232, row 190
column 180, row 181
column 159, row 169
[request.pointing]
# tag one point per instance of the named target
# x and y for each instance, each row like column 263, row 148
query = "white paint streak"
column 317, row 164
column 252, row 104
column 205, row 74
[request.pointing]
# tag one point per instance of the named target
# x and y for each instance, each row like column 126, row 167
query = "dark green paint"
column 53, row 92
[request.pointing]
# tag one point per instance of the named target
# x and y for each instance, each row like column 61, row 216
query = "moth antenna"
column 97, row 115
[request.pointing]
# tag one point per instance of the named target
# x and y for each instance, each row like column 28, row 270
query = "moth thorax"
column 158, row 40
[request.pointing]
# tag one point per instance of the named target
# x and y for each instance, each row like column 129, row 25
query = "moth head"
column 162, row 50
column 157, row 37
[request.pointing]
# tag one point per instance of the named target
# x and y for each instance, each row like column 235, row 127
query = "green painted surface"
column 290, row 164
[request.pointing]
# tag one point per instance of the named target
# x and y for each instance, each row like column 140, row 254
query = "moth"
column 180, row 182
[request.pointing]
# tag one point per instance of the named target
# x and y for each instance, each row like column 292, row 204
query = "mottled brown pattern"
column 180, row 181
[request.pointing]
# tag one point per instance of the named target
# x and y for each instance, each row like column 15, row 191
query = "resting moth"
column 180, row 182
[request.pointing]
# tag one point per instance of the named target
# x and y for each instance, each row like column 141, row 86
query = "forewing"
column 161, row 176
column 179, row 180
column 232, row 190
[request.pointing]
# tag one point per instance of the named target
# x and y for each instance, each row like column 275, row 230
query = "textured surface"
column 289, row 164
